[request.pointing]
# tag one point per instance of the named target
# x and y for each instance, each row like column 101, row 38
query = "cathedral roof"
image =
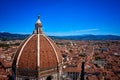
column 37, row 52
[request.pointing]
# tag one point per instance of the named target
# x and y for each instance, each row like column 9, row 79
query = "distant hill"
column 9, row 36
column 88, row 37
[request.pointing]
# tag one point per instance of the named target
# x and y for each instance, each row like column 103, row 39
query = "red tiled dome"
column 37, row 53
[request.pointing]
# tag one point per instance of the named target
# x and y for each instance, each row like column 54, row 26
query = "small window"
column 49, row 78
column 26, row 79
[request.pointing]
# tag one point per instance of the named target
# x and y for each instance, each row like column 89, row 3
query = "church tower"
column 37, row 58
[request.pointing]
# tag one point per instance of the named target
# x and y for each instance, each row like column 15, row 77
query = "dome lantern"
column 38, row 26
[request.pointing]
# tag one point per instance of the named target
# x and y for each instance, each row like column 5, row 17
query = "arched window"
column 49, row 78
column 26, row 79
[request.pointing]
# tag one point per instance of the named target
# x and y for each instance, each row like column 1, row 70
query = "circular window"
column 49, row 78
column 26, row 79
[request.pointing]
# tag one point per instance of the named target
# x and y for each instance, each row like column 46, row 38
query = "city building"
column 37, row 58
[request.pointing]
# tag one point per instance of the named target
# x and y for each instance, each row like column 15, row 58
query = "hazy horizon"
column 63, row 35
